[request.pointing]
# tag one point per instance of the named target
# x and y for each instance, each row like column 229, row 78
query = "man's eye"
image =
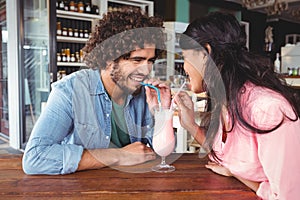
column 136, row 60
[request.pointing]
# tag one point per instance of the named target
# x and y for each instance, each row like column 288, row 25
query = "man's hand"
column 132, row 154
column 152, row 98
column 135, row 153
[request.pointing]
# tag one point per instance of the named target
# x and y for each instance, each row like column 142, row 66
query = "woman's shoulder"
column 264, row 106
column 261, row 95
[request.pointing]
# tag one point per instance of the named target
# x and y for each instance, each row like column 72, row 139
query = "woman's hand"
column 186, row 111
column 219, row 169
column 152, row 98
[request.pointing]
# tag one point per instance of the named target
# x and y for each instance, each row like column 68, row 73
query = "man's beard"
column 119, row 80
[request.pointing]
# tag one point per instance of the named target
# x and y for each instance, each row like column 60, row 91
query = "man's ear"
column 109, row 65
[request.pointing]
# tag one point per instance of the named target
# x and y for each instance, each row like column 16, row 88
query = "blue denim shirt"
column 77, row 117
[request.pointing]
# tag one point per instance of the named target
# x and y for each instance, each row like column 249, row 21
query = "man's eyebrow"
column 138, row 57
column 141, row 58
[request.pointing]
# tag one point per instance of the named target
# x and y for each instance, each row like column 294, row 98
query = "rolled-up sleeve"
column 45, row 152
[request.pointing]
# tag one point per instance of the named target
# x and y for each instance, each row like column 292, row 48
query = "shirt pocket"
column 84, row 134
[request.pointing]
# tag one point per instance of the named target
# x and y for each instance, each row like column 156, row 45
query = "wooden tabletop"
column 190, row 180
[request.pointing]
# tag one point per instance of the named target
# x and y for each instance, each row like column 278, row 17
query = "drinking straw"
column 176, row 94
column 156, row 89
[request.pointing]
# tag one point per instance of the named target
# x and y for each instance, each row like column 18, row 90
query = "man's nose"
column 145, row 68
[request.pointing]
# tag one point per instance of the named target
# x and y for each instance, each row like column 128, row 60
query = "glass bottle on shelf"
column 77, row 57
column 76, row 34
column 63, row 56
column 63, row 73
column 80, row 55
column 72, row 6
column 68, row 54
column 80, row 7
column 73, row 59
column 66, row 5
column 95, row 10
column 81, row 33
column 70, row 32
column 87, row 8
column 58, row 57
column 277, row 63
column 76, row 6
column 61, row 5
column 58, row 28
column 86, row 33
column 65, row 32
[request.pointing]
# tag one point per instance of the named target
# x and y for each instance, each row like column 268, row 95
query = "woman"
column 253, row 130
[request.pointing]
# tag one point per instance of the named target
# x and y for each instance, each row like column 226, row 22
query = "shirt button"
column 107, row 137
column 107, row 115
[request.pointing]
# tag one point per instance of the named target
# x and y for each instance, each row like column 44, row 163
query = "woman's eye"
column 151, row 61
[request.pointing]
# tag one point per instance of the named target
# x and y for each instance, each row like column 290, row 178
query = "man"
column 101, row 116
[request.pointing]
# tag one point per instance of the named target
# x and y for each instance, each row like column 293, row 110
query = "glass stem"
column 163, row 160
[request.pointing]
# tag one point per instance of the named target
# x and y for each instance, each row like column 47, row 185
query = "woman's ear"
column 207, row 48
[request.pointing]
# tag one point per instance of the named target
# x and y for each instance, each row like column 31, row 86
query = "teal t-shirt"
column 119, row 132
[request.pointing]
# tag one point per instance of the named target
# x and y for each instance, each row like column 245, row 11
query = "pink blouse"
column 270, row 158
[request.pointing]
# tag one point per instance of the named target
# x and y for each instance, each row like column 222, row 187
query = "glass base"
column 163, row 168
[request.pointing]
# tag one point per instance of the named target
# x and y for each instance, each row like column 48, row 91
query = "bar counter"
column 190, row 180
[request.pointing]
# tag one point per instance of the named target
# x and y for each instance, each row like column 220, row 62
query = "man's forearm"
column 97, row 158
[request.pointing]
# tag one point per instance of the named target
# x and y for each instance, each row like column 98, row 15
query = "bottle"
column 68, row 55
column 81, row 55
column 77, row 57
column 86, row 33
column 61, row 5
column 87, row 8
column 58, row 28
column 58, row 57
column 81, row 33
column 73, row 59
column 72, row 6
column 76, row 34
column 65, row 32
column 277, row 63
column 95, row 10
column 70, row 32
column 66, row 6
column 80, row 6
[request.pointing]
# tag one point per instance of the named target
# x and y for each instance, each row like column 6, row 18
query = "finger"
column 209, row 167
column 150, row 157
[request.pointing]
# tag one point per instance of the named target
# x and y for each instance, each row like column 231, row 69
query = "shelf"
column 179, row 61
column 77, row 15
column 71, row 64
column 71, row 39
column 161, row 60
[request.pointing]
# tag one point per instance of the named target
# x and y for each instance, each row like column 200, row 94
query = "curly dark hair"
column 119, row 33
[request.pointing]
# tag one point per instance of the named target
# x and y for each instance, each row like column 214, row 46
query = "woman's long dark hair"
column 236, row 66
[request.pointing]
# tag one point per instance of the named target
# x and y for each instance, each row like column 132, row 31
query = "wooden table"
column 190, row 180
